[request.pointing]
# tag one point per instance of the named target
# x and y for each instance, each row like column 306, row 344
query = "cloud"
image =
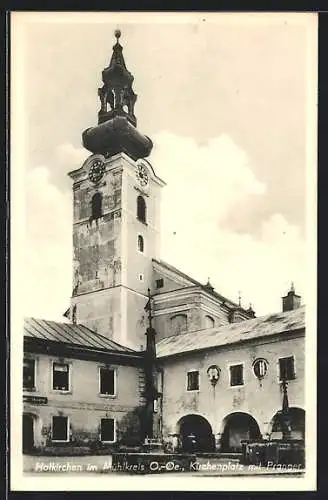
column 211, row 179
column 47, row 249
column 64, row 158
column 204, row 184
column 71, row 157
column 48, row 234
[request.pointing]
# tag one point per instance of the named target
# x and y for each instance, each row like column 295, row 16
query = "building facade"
column 79, row 388
column 226, row 385
column 222, row 373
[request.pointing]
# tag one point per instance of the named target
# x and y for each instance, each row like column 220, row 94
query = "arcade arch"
column 237, row 427
column 195, row 434
column 297, row 424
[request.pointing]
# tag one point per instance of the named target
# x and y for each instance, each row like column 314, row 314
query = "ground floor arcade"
column 192, row 432
column 195, row 432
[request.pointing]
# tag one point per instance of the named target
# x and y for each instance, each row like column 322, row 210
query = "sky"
column 229, row 103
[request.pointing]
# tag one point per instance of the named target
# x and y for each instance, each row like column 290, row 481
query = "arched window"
column 96, row 203
column 178, row 323
column 141, row 209
column 209, row 322
column 141, row 245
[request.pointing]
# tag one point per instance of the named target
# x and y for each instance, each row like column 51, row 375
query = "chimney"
column 291, row 301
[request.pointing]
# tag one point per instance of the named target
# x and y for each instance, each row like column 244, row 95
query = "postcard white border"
column 56, row 481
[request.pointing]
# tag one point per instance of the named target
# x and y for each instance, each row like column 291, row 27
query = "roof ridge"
column 198, row 283
column 75, row 327
column 166, row 264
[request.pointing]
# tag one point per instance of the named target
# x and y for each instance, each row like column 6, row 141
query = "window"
column 160, row 283
column 236, row 375
column 107, row 430
column 193, row 381
column 209, row 322
column 107, row 381
column 260, row 367
column 178, row 323
column 96, row 202
column 60, row 377
column 286, row 368
column 29, row 374
column 141, row 245
column 60, row 429
column 141, row 209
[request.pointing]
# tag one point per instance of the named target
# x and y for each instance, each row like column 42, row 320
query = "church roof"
column 72, row 334
column 246, row 330
column 206, row 287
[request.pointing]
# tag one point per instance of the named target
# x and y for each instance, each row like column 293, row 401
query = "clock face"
column 96, row 171
column 142, row 175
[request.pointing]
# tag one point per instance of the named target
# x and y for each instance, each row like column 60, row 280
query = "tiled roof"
column 233, row 333
column 70, row 334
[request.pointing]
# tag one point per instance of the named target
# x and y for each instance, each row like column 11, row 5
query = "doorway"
column 28, row 433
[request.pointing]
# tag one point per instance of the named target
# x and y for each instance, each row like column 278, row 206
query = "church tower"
column 116, row 197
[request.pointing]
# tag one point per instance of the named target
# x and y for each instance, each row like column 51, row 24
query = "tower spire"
column 116, row 131
column 117, row 58
column 116, row 92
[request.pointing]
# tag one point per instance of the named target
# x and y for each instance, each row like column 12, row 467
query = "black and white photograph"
column 163, row 251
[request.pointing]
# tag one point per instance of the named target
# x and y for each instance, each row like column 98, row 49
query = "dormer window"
column 96, row 206
column 141, row 209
